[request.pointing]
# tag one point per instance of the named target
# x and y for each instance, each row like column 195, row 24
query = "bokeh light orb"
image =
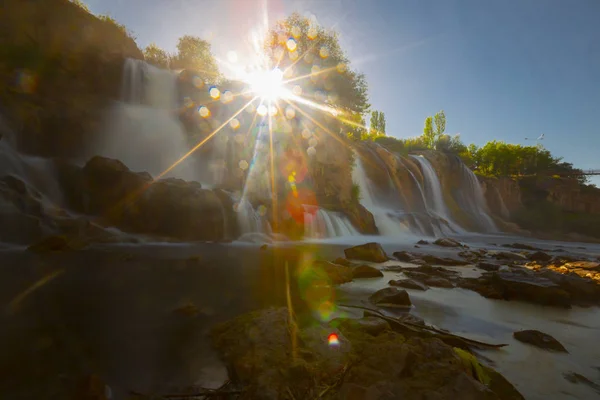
column 204, row 112
column 297, row 90
column 214, row 92
column 333, row 340
column 296, row 31
column 272, row 111
column 243, row 164
column 262, row 110
column 291, row 44
column 312, row 33
column 313, row 142
column 306, row 133
column 311, row 151
column 293, row 55
column 324, row 52
column 234, row 124
column 198, row 82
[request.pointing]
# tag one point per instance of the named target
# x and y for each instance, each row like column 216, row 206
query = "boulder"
column 587, row 265
column 540, row 256
column 487, row 266
column 443, row 260
column 367, row 252
column 51, row 244
column 509, row 255
column 408, row 284
column 335, row 274
column 406, row 256
column 366, row 271
column 368, row 324
column 539, row 339
column 437, row 281
column 422, row 242
column 391, row 297
column 343, row 261
column 521, row 246
column 574, row 377
column 521, row 285
column 448, row 242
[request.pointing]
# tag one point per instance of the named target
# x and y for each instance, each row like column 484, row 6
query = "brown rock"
column 540, row 256
column 437, row 281
column 447, row 242
column 366, row 271
column 408, row 284
column 367, row 252
column 539, row 339
column 391, row 297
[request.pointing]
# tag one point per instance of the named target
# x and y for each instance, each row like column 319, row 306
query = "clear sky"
column 503, row 69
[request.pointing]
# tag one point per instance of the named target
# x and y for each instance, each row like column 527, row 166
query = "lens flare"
column 262, row 110
column 204, row 112
column 214, row 92
column 333, row 340
column 291, row 44
column 268, row 85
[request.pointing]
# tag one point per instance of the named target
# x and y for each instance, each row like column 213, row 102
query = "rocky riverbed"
column 159, row 319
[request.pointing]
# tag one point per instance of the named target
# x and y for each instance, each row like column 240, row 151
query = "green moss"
column 472, row 365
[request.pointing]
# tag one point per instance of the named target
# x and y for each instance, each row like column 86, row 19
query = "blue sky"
column 504, row 69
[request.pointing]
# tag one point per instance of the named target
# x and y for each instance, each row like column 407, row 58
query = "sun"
column 268, row 85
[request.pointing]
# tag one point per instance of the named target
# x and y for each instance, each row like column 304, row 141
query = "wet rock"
column 574, row 377
column 487, row 266
column 263, row 247
column 540, row 256
column 437, row 281
column 367, row 252
column 51, row 244
column 539, row 339
column 447, row 242
column 518, row 286
column 509, row 255
column 417, row 246
column 343, row 261
column 391, row 297
column 408, row 284
column 583, row 291
column 443, row 260
column 412, row 319
column 366, row 271
column 393, row 268
column 422, row 242
column 429, row 270
column 333, row 273
column 587, row 265
column 407, row 256
column 520, row 246
column 368, row 324
column 471, row 256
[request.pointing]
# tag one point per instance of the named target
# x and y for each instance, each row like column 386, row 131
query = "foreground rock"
column 330, row 273
column 391, row 297
column 366, row 271
column 415, row 258
column 520, row 285
column 409, row 284
column 448, row 242
column 367, row 252
column 539, row 339
column 270, row 357
column 134, row 202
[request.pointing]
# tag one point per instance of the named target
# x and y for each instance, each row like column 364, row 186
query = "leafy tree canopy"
column 195, row 53
column 156, row 56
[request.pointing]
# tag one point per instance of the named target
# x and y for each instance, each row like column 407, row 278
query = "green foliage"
column 110, row 20
column 472, row 365
column 323, row 62
column 401, row 146
column 440, row 124
column 195, row 53
column 81, row 4
column 156, row 56
column 377, row 124
column 428, row 136
column 356, row 197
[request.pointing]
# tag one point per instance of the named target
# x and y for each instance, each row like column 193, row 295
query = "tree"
column 110, row 20
column 195, row 53
column 428, row 134
column 440, row 125
column 377, row 124
column 313, row 56
column 156, row 56
column 355, row 130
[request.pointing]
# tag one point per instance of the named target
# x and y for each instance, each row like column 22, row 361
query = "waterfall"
column 389, row 222
column 434, row 199
column 472, row 200
column 251, row 220
column 37, row 172
column 143, row 130
column 321, row 223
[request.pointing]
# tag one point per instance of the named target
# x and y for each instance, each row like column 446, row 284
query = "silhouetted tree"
column 195, row 53
column 156, row 56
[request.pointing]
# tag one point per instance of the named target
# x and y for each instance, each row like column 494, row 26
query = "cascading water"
column 472, row 200
column 251, row 220
column 388, row 221
column 143, row 129
column 37, row 172
column 320, row 223
column 434, row 200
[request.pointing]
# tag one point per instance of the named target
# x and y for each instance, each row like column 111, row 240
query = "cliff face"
column 60, row 66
